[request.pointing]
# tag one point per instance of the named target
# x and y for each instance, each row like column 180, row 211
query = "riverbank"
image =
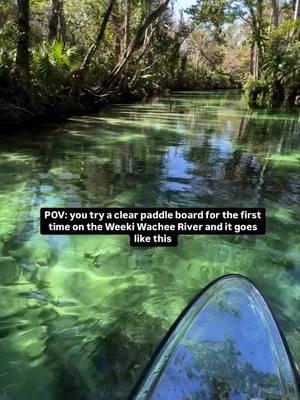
column 32, row 104
column 29, row 107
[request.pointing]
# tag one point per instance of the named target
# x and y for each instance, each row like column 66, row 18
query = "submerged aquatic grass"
column 80, row 316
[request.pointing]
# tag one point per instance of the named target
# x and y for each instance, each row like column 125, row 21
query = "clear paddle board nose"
column 226, row 346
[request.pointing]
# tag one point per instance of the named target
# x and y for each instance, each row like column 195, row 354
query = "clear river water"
column 80, row 316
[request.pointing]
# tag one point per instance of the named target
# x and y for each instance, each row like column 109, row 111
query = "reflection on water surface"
column 80, row 316
column 226, row 346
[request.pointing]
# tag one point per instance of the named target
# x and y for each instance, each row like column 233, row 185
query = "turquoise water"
column 80, row 316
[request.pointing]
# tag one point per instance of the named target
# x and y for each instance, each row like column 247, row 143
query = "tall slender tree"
column 118, row 28
column 275, row 12
column 297, row 10
column 23, row 54
column 57, row 24
column 127, row 23
column 256, row 21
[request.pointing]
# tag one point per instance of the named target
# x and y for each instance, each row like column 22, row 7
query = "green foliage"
column 8, row 35
column 209, row 50
column 7, row 49
column 214, row 14
column 52, row 63
column 7, row 60
column 259, row 92
column 38, row 6
column 206, row 79
column 280, row 68
column 282, row 57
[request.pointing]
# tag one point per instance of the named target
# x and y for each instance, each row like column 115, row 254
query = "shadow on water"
column 80, row 316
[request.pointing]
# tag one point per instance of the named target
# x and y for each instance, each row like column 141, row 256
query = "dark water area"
column 80, row 316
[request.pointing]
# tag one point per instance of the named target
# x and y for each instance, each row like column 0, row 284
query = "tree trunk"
column 252, row 51
column 23, row 56
column 96, row 45
column 146, row 45
column 135, row 43
column 275, row 13
column 80, row 76
column 57, row 24
column 116, row 21
column 297, row 10
column 62, row 22
column 53, row 24
column 127, row 23
column 256, row 16
column 256, row 63
column 259, row 36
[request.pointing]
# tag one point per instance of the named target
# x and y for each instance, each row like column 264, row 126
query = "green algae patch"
column 37, row 250
column 9, row 271
column 283, row 215
column 13, row 210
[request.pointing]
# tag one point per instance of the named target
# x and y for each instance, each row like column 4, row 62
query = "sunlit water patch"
column 80, row 316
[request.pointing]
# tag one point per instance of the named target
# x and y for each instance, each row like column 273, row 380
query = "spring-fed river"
column 80, row 316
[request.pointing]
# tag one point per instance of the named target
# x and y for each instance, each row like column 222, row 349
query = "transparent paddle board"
column 225, row 346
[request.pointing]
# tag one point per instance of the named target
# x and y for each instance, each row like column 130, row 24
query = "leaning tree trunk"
column 57, row 24
column 23, row 56
column 92, row 50
column 135, row 43
column 79, row 77
column 297, row 10
column 146, row 45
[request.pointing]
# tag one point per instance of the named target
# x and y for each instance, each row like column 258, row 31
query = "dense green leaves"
column 214, row 44
column 282, row 58
column 52, row 62
column 214, row 14
column 281, row 67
